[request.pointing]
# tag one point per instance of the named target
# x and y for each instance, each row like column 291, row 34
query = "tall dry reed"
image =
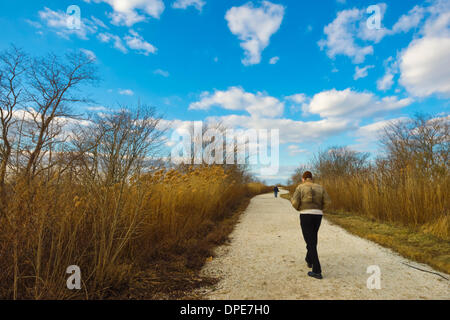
column 109, row 231
column 408, row 198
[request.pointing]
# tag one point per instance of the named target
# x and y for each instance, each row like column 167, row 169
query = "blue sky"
column 314, row 70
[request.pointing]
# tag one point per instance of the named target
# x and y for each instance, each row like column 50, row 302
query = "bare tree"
column 123, row 142
column 52, row 89
column 339, row 161
column 211, row 142
column 12, row 67
column 421, row 142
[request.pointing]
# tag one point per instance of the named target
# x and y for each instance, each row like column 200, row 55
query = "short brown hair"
column 307, row 175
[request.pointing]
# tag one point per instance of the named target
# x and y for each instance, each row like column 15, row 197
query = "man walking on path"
column 310, row 198
column 275, row 191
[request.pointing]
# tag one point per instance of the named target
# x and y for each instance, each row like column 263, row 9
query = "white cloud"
column 99, row 22
column 59, row 22
column 235, row 98
column 340, row 111
column 349, row 35
column 97, row 108
column 117, row 41
column 34, row 24
column 129, row 12
column 290, row 130
column 361, row 72
column 131, row 41
column 373, row 34
column 274, row 60
column 254, row 26
column 351, row 104
column 184, row 4
column 368, row 136
column 298, row 98
column 386, row 82
column 161, row 72
column 371, row 132
column 90, row 54
column 424, row 65
column 136, row 42
column 126, row 92
column 340, row 37
column 409, row 20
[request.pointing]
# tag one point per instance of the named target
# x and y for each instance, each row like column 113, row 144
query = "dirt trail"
column 265, row 260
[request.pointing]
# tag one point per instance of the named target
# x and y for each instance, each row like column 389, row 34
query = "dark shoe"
column 309, row 264
column 315, row 275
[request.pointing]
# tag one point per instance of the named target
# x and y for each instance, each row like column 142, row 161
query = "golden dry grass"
column 411, row 200
column 113, row 233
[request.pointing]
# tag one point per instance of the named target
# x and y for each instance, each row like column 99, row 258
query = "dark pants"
column 310, row 224
column 275, row 194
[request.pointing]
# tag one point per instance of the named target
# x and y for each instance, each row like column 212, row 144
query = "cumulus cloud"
column 352, row 104
column 349, row 35
column 290, row 130
column 424, row 67
column 235, row 98
column 340, row 37
column 254, row 27
column 184, row 4
column 340, row 111
column 265, row 112
column 129, row 12
column 424, row 64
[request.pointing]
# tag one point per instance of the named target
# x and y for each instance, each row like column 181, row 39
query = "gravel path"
column 265, row 260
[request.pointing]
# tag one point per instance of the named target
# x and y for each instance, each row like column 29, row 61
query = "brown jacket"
column 309, row 195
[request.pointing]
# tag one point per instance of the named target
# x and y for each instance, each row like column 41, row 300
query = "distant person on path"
column 310, row 198
column 275, row 191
